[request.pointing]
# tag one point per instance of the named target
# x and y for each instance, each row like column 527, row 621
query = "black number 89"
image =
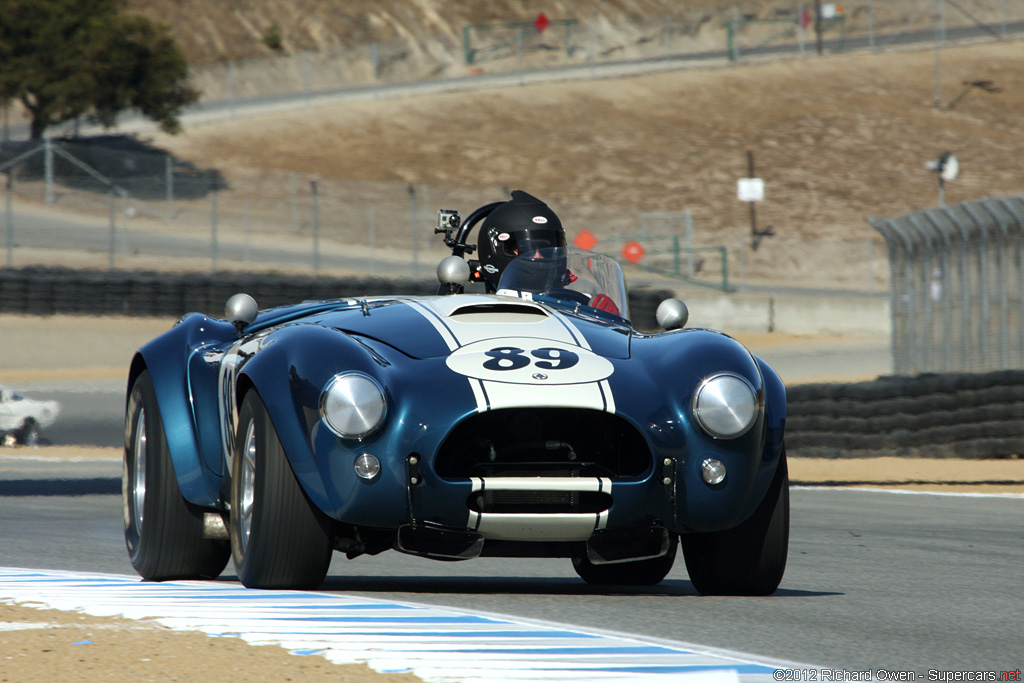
column 512, row 358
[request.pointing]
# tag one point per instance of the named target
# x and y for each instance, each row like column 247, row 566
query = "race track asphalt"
column 875, row 579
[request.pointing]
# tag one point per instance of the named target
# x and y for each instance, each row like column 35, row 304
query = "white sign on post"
column 750, row 189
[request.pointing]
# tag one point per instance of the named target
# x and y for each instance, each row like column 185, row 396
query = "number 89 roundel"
column 529, row 361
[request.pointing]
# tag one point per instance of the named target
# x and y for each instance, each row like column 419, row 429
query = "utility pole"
column 751, row 190
column 817, row 26
column 940, row 39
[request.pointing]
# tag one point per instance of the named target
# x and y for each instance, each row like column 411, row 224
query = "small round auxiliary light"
column 367, row 466
column 712, row 471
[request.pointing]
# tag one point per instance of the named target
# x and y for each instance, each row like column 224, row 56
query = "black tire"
column 277, row 539
column 749, row 559
column 28, row 433
column 639, row 573
column 163, row 531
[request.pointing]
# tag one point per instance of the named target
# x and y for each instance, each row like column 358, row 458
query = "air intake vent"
column 499, row 313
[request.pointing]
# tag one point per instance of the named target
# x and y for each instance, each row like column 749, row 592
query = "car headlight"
column 352, row 405
column 725, row 406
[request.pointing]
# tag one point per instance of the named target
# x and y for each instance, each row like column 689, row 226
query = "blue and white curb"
column 440, row 645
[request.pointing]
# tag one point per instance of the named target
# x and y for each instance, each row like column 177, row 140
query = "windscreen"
column 571, row 275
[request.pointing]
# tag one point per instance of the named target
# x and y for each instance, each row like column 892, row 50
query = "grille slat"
column 539, row 502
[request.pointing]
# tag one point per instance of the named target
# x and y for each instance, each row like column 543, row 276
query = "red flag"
column 541, row 22
column 633, row 252
column 585, row 240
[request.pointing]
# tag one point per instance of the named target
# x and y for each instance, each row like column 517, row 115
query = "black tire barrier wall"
column 65, row 291
column 51, row 291
column 978, row 415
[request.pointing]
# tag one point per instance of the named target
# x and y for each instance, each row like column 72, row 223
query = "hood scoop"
column 499, row 312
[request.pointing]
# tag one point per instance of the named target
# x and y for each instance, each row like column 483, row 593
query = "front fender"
column 679, row 361
column 775, row 413
column 289, row 372
column 166, row 358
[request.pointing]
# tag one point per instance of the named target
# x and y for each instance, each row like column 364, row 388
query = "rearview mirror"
column 241, row 310
column 672, row 314
column 453, row 273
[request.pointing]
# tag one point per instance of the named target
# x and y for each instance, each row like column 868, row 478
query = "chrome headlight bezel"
column 725, row 405
column 353, row 405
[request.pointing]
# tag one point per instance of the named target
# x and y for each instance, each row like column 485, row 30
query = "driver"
column 521, row 225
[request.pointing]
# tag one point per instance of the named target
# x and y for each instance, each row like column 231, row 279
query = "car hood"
column 435, row 327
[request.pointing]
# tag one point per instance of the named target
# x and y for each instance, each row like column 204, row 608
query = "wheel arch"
column 289, row 375
column 775, row 412
column 774, row 449
column 684, row 358
column 166, row 360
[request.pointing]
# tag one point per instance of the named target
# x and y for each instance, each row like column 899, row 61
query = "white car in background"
column 22, row 418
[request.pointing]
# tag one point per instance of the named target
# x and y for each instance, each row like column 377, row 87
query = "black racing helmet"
column 521, row 225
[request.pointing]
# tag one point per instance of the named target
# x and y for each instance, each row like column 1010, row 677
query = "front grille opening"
column 543, row 442
column 539, row 502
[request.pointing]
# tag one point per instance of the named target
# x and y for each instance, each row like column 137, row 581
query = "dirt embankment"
column 50, row 645
column 836, row 140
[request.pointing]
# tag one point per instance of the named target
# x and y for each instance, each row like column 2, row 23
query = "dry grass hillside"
column 216, row 31
column 837, row 139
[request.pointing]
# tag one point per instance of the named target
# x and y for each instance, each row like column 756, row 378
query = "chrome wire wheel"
column 138, row 476
column 247, row 485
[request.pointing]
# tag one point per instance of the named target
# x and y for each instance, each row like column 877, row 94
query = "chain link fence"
column 884, row 23
column 957, row 275
column 871, row 24
column 116, row 203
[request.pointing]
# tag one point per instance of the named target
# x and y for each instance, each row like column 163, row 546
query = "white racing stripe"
column 437, row 644
column 502, row 395
column 546, row 526
column 542, row 526
column 434, row 319
column 592, row 484
column 531, row 385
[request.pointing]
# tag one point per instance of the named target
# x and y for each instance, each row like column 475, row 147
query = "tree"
column 64, row 59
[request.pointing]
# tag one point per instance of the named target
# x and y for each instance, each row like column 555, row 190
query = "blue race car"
column 534, row 421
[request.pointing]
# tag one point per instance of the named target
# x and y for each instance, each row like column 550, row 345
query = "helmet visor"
column 529, row 241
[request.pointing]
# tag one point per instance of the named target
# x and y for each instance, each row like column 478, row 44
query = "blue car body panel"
column 444, row 362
